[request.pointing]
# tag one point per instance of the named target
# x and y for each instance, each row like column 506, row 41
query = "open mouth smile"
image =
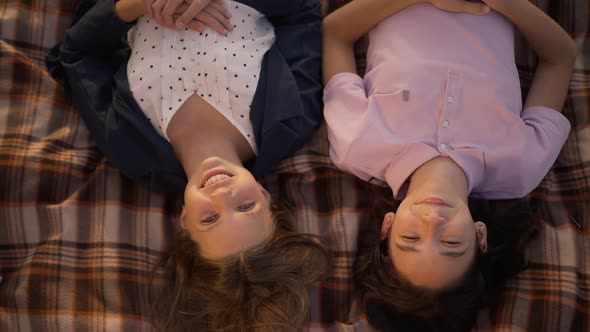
column 214, row 177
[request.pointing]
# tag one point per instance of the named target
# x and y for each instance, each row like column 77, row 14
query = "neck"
column 198, row 135
column 191, row 155
column 440, row 175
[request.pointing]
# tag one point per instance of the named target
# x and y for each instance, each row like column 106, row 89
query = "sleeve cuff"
column 343, row 79
column 549, row 115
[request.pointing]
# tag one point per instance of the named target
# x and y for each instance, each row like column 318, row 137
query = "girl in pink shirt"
column 438, row 117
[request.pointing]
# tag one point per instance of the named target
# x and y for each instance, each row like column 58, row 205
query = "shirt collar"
column 400, row 169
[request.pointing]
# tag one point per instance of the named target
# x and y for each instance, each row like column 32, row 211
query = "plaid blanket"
column 79, row 242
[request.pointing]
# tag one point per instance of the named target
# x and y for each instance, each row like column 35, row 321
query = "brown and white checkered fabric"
column 78, row 241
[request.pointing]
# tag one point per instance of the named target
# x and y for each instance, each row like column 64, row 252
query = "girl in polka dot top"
column 194, row 71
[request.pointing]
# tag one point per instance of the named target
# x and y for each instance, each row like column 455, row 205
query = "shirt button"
column 442, row 146
column 450, row 99
column 445, row 124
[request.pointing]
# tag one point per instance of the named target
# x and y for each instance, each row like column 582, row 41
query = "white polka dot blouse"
column 168, row 66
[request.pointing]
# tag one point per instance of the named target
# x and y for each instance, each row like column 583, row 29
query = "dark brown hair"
column 393, row 303
column 264, row 288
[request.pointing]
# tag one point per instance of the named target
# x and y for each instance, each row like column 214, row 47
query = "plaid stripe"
column 79, row 242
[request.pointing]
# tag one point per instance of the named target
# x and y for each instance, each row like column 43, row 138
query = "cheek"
column 190, row 194
column 195, row 206
column 404, row 220
column 195, row 194
column 464, row 223
column 461, row 231
column 249, row 190
column 191, row 201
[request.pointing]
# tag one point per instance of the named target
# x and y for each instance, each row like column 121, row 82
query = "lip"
column 212, row 173
column 435, row 201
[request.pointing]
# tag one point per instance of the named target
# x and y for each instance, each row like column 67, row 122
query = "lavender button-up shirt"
column 442, row 84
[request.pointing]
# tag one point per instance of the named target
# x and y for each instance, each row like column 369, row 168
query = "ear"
column 183, row 218
column 387, row 223
column 482, row 236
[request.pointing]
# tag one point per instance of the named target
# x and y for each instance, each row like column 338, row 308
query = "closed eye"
column 410, row 238
column 209, row 220
column 246, row 207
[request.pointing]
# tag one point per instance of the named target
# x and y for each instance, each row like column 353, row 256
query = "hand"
column 214, row 16
column 149, row 11
column 212, row 8
column 164, row 10
column 462, row 6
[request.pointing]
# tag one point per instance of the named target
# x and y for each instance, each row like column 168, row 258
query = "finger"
column 169, row 10
column 211, row 22
column 179, row 10
column 157, row 10
column 221, row 8
column 217, row 15
column 196, row 25
column 195, row 7
column 148, row 7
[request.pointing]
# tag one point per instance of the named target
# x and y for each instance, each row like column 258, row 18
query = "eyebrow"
column 443, row 253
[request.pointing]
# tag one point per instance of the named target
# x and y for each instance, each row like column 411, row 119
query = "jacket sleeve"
column 293, row 67
column 299, row 40
column 91, row 62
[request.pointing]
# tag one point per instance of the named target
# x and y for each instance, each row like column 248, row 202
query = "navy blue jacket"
column 92, row 62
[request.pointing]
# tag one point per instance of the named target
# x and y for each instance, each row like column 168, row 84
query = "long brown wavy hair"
column 392, row 303
column 264, row 288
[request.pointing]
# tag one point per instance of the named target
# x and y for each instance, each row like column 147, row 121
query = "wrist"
column 391, row 7
column 500, row 5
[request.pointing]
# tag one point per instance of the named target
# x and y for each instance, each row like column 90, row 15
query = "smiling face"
column 433, row 242
column 226, row 211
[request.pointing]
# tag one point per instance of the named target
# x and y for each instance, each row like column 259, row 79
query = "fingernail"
column 179, row 24
column 486, row 9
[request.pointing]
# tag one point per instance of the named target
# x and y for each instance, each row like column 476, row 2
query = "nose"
column 428, row 214
column 432, row 217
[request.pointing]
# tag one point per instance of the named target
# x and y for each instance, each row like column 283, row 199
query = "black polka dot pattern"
column 168, row 66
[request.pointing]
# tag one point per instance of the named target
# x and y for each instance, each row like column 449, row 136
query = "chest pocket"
column 404, row 115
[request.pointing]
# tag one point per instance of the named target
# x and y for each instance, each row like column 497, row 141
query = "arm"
column 298, row 39
column 91, row 61
column 129, row 10
column 555, row 49
column 343, row 27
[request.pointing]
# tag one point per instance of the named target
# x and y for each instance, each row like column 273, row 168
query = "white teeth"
column 216, row 178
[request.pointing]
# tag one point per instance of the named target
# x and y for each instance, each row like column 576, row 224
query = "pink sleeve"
column 345, row 104
column 546, row 133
